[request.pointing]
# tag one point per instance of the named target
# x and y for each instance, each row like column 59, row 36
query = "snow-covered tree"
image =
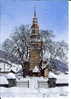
column 19, row 42
column 54, row 49
column 58, row 50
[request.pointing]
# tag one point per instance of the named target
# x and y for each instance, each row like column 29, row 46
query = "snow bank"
column 52, row 75
column 53, row 92
column 43, row 79
column 28, row 92
column 11, row 76
column 22, row 79
column 62, row 78
column 32, row 78
column 3, row 80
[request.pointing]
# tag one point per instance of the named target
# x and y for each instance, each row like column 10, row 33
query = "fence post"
column 28, row 83
column 38, row 84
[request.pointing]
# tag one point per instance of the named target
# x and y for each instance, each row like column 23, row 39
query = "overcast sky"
column 52, row 15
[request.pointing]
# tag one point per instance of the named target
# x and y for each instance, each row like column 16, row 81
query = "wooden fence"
column 41, row 84
column 23, row 84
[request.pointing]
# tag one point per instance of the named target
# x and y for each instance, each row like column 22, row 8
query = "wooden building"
column 35, row 53
column 35, row 60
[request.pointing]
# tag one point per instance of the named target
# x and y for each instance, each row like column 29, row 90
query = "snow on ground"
column 32, row 78
column 33, row 92
column 3, row 80
column 11, row 76
column 62, row 78
column 52, row 75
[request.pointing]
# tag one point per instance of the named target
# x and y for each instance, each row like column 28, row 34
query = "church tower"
column 35, row 55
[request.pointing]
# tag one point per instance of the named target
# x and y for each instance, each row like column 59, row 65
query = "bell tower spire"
column 35, row 44
column 34, row 12
column 35, row 26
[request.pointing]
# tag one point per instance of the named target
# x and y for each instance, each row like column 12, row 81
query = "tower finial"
column 34, row 11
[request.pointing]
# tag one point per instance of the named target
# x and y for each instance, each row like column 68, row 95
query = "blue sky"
column 52, row 15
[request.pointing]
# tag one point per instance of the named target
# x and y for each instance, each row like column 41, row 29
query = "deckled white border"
column 69, row 49
column 69, row 96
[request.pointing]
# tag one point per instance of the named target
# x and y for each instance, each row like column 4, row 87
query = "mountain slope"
column 59, row 65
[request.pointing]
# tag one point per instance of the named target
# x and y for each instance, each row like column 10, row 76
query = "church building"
column 35, row 53
column 35, row 61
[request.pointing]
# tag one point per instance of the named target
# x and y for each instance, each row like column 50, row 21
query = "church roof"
column 36, row 69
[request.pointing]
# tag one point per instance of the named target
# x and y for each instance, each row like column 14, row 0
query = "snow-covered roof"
column 7, row 67
column 52, row 75
column 4, row 67
column 62, row 78
column 36, row 69
column 11, row 76
column 16, row 68
column 3, row 80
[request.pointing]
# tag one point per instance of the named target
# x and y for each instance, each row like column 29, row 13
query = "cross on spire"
column 35, row 21
column 34, row 11
column 35, row 26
